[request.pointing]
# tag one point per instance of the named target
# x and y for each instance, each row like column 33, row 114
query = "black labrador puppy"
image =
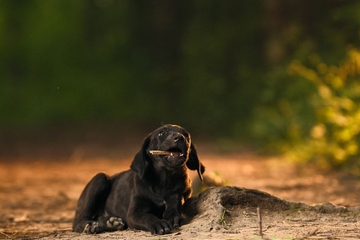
column 149, row 195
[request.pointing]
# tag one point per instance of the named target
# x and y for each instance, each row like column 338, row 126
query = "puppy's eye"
column 161, row 133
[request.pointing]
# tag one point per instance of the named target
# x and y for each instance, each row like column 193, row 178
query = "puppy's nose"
column 178, row 137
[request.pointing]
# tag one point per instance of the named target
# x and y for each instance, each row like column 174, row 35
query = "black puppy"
column 149, row 195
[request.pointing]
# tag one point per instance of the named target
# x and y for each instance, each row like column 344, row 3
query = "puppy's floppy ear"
column 193, row 162
column 138, row 165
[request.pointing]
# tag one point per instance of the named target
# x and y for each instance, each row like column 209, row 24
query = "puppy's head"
column 168, row 147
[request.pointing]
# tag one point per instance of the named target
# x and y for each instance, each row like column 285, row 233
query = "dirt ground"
column 38, row 196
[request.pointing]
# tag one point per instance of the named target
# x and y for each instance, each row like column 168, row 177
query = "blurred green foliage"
column 232, row 70
column 333, row 139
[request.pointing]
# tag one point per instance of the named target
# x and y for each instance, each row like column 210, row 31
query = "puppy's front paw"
column 115, row 223
column 174, row 219
column 160, row 227
column 93, row 227
column 175, row 222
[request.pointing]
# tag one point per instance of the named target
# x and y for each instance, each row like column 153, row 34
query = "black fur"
column 149, row 195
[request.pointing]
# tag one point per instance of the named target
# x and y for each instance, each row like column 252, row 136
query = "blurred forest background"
column 278, row 76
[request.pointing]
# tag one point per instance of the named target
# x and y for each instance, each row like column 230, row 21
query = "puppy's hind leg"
column 91, row 204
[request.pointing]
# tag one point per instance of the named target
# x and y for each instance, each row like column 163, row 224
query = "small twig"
column 159, row 152
column 5, row 235
column 259, row 221
column 312, row 233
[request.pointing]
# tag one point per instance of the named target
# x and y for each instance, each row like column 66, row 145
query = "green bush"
column 332, row 141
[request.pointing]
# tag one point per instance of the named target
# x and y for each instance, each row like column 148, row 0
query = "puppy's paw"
column 161, row 227
column 115, row 223
column 175, row 222
column 174, row 218
column 93, row 227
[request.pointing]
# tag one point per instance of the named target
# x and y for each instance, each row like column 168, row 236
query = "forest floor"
column 38, row 195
